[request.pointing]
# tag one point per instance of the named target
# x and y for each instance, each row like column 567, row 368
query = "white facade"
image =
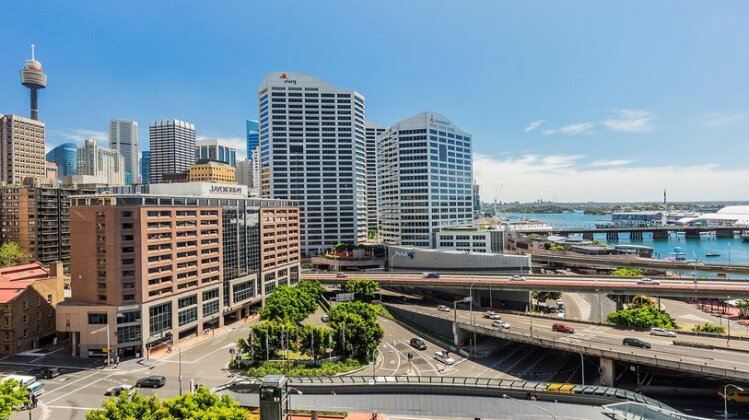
column 372, row 131
column 172, row 144
column 199, row 189
column 123, row 137
column 102, row 163
column 312, row 150
column 468, row 240
column 424, row 180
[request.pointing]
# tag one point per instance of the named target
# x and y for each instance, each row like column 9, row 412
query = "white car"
column 662, row 332
column 119, row 389
column 517, row 277
column 501, row 324
column 440, row 357
column 443, row 308
column 649, row 281
column 492, row 315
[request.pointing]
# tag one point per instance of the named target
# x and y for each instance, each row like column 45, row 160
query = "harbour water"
column 734, row 249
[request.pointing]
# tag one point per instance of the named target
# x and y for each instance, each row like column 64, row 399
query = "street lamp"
column 455, row 317
column 582, row 364
column 179, row 351
column 288, row 399
column 505, row 396
column 473, row 324
column 109, row 350
column 725, row 398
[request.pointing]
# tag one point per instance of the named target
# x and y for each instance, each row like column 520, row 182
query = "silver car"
column 662, row 332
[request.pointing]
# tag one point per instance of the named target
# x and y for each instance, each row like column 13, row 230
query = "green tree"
column 709, row 328
column 292, row 303
column 555, row 247
column 356, row 329
column 627, row 272
column 544, row 296
column 364, row 290
column 12, row 397
column 11, row 254
column 339, row 247
column 643, row 316
column 201, row 405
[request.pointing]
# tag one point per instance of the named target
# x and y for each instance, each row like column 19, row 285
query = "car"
column 492, row 315
column 558, row 326
column 648, row 281
column 431, row 275
column 341, row 275
column 636, row 342
column 443, row 308
column 118, row 389
column 662, row 332
column 418, row 344
column 156, row 381
column 561, row 314
column 325, row 318
column 517, row 277
column 734, row 395
column 501, row 324
column 45, row 373
column 442, row 357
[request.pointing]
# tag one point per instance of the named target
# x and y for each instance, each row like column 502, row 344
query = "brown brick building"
column 29, row 294
column 159, row 268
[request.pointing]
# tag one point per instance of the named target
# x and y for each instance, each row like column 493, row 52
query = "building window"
column 210, row 308
column 187, row 301
column 126, row 317
column 25, row 319
column 97, row 319
column 160, row 318
column 128, row 334
column 49, row 298
column 243, row 291
column 187, row 316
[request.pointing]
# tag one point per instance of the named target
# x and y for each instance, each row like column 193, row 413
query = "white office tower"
column 123, row 137
column 172, row 144
column 312, row 150
column 255, row 164
column 372, row 131
column 103, row 164
column 424, row 180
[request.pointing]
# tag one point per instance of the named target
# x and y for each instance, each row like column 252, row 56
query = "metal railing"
column 638, row 411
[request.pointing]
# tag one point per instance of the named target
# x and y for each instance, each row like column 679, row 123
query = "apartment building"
column 212, row 171
column 172, row 263
column 21, row 149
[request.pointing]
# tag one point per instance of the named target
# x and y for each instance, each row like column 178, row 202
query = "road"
column 576, row 284
column 599, row 336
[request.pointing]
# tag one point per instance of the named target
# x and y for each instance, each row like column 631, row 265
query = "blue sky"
column 627, row 97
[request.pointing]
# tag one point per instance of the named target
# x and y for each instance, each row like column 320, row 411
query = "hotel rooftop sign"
column 200, row 189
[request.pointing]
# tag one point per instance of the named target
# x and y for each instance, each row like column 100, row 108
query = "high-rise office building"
column 21, row 149
column 206, row 170
column 255, row 168
column 244, row 173
column 65, row 156
column 172, row 263
column 372, row 131
column 123, row 137
column 106, row 164
column 424, row 179
column 218, row 150
column 172, row 144
column 312, row 151
column 253, row 136
column 145, row 167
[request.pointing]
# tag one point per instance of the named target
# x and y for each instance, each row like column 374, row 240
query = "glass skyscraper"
column 217, row 150
column 145, row 167
column 65, row 157
column 253, row 137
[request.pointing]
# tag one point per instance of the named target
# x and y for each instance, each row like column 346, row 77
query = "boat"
column 712, row 254
column 745, row 235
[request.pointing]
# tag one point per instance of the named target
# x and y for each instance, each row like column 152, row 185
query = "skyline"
column 584, row 103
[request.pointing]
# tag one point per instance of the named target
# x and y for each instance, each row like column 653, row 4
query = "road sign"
column 344, row 297
column 105, row 350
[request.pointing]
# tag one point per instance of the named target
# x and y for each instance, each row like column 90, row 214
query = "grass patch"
column 320, row 413
column 383, row 311
column 292, row 369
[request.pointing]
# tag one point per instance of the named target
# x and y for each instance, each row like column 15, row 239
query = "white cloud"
column 607, row 163
column 238, row 143
column 568, row 178
column 722, row 119
column 534, row 125
column 630, row 120
column 76, row 135
column 572, row 129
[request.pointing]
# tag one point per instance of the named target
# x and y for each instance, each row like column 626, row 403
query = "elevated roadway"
column 627, row 261
column 722, row 289
column 605, row 342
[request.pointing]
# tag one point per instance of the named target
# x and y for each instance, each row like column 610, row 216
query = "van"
column 37, row 388
column 24, row 380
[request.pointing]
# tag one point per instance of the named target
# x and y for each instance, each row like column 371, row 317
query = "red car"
column 562, row 328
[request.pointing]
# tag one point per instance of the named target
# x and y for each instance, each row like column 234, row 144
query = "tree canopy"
column 643, row 316
column 356, row 329
column 12, row 396
column 11, row 254
column 292, row 304
column 201, row 405
column 709, row 328
column 364, row 290
column 544, row 296
column 627, row 272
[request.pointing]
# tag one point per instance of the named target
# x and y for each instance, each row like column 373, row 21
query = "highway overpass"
column 604, row 342
column 609, row 261
column 698, row 288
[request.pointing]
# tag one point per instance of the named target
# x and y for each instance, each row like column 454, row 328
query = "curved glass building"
column 65, row 156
